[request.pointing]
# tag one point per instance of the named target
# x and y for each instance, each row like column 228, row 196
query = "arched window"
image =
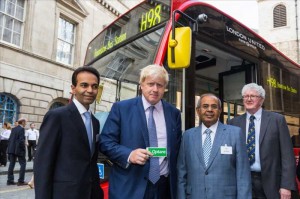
column 279, row 16
column 56, row 105
column 8, row 109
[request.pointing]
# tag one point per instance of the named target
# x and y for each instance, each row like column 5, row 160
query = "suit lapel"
column 242, row 123
column 197, row 136
column 168, row 123
column 95, row 132
column 78, row 122
column 142, row 115
column 263, row 125
column 218, row 140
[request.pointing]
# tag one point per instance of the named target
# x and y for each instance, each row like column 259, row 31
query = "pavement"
column 29, row 168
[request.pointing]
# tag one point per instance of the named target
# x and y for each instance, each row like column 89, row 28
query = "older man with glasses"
column 269, row 147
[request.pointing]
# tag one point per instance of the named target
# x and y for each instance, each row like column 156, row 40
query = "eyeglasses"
column 251, row 96
column 213, row 107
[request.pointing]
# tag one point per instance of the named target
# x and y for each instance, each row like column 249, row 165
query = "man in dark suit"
column 16, row 150
column 129, row 130
column 212, row 161
column 272, row 160
column 65, row 165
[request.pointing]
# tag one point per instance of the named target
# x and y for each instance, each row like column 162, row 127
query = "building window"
column 56, row 105
column 11, row 20
column 8, row 108
column 279, row 16
column 65, row 41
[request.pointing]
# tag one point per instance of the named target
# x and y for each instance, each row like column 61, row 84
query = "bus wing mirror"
column 179, row 49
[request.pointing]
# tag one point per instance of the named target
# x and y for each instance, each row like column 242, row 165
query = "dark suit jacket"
column 64, row 166
column 276, row 153
column 16, row 141
column 126, row 130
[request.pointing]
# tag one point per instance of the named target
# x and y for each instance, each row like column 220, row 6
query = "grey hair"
column 253, row 86
column 211, row 95
column 154, row 71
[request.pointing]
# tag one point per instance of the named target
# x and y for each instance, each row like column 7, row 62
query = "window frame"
column 14, row 19
column 4, row 109
column 72, row 43
column 279, row 16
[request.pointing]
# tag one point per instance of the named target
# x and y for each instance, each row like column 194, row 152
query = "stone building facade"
column 41, row 43
column 279, row 23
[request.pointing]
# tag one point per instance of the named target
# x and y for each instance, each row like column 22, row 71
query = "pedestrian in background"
column 32, row 135
column 270, row 151
column 16, row 151
column 131, row 127
column 65, row 164
column 212, row 162
column 4, row 136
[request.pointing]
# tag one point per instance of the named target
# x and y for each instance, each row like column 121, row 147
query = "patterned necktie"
column 88, row 127
column 251, row 140
column 154, row 172
column 207, row 146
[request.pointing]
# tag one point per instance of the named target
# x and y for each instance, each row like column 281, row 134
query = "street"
column 14, row 191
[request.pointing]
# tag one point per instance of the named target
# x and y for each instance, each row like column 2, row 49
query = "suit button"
column 206, row 173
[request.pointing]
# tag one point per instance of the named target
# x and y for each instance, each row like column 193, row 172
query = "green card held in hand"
column 158, row 151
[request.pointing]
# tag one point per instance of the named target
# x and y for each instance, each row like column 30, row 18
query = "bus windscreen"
column 143, row 17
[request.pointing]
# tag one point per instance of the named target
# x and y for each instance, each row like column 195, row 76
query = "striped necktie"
column 251, row 140
column 207, row 146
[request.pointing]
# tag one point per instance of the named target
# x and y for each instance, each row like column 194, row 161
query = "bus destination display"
column 141, row 18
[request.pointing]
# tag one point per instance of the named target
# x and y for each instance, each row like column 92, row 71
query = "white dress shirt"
column 161, row 130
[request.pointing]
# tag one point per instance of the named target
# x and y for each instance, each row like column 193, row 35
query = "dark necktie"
column 154, row 172
column 88, row 127
column 251, row 140
column 207, row 146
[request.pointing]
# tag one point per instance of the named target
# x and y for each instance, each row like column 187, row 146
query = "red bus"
column 222, row 53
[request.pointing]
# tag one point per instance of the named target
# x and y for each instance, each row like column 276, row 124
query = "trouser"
column 31, row 149
column 12, row 162
column 3, row 151
column 159, row 190
column 257, row 187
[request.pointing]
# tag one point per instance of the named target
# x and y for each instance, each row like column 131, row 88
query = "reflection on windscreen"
column 124, row 64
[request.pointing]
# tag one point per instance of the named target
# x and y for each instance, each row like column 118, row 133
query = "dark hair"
column 88, row 69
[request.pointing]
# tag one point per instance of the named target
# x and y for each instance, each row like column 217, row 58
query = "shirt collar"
column 146, row 104
column 213, row 127
column 79, row 106
column 257, row 115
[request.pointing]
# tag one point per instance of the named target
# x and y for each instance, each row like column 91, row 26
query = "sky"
column 245, row 11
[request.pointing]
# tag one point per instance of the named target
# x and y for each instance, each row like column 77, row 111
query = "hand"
column 139, row 156
column 285, row 193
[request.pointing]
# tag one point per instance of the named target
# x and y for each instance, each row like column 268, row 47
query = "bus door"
column 230, row 86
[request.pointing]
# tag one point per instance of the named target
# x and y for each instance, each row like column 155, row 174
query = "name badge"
column 227, row 150
column 158, row 151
